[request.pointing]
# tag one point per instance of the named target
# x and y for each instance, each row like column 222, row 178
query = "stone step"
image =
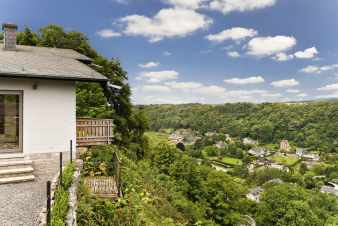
column 12, row 156
column 18, row 179
column 4, row 172
column 15, row 162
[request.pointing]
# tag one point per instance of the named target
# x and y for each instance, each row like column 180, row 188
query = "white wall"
column 49, row 113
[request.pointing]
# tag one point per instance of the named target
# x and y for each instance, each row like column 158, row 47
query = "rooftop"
column 46, row 63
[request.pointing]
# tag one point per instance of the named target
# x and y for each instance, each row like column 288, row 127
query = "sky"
column 204, row 51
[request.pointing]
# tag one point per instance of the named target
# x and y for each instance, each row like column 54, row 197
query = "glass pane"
column 9, row 123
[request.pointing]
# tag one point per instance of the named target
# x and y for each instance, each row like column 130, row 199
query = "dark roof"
column 46, row 63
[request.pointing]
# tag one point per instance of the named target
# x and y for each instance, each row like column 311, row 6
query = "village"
column 284, row 157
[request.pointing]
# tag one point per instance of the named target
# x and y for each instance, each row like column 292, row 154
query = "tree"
column 27, row 37
column 52, row 36
column 291, row 205
column 303, row 168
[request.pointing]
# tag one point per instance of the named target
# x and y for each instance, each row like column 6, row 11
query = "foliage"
column 264, row 175
column 167, row 188
column 291, row 205
column 99, row 161
column 285, row 160
column 311, row 125
column 228, row 160
column 60, row 205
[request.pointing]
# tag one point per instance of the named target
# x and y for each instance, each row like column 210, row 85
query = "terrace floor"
column 21, row 204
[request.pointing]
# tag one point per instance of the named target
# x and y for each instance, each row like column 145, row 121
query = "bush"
column 98, row 161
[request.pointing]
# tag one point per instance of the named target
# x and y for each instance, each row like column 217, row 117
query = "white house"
column 255, row 194
column 258, row 152
column 331, row 188
column 249, row 141
column 37, row 96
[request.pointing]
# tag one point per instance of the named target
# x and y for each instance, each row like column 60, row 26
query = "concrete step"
column 15, row 162
column 5, row 171
column 18, row 179
column 12, row 156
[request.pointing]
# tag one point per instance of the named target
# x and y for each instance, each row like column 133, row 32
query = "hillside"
column 313, row 124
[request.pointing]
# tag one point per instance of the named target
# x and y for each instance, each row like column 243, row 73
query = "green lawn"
column 228, row 160
column 284, row 160
column 156, row 138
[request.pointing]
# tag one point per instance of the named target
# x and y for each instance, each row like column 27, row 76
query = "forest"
column 310, row 124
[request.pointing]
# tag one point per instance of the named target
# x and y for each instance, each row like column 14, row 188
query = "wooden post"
column 71, row 150
column 60, row 176
column 48, row 220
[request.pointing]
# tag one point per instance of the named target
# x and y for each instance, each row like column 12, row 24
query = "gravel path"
column 20, row 204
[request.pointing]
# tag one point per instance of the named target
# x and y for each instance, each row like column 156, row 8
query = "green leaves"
column 292, row 205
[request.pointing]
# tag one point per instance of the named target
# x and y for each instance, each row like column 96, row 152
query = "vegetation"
column 289, row 204
column 168, row 187
column 285, row 160
column 60, row 205
column 311, row 125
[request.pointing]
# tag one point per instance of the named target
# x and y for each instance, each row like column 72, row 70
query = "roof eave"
column 49, row 77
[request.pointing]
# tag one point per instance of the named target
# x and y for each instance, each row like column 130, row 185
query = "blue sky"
column 207, row 51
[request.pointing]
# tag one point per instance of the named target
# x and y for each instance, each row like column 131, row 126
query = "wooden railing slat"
column 94, row 131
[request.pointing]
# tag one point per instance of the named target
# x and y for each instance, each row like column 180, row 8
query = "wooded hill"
column 313, row 124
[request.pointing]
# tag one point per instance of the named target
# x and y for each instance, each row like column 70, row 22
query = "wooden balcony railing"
column 94, row 131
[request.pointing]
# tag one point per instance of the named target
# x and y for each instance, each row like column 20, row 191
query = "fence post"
column 48, row 203
column 60, row 177
column 71, row 151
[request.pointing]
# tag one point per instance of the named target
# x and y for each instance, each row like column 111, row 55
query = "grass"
column 60, row 206
column 227, row 160
column 285, row 160
column 156, row 138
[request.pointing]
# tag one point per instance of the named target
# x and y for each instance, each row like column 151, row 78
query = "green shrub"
column 60, row 207
column 98, row 161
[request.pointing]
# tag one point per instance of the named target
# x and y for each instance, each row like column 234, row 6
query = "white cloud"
column 282, row 57
column 331, row 87
column 313, row 69
column 121, row 1
column 167, row 23
column 245, row 81
column 166, row 53
column 234, row 54
column 150, row 64
column 188, row 4
column 211, row 91
column 302, row 95
column 227, row 6
column 272, row 95
column 158, row 76
column 193, row 92
column 184, row 85
column 155, row 88
column 307, row 54
column 293, row 91
column 236, row 33
column 329, row 67
column 285, row 83
column 267, row 46
column 331, row 95
column 108, row 33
